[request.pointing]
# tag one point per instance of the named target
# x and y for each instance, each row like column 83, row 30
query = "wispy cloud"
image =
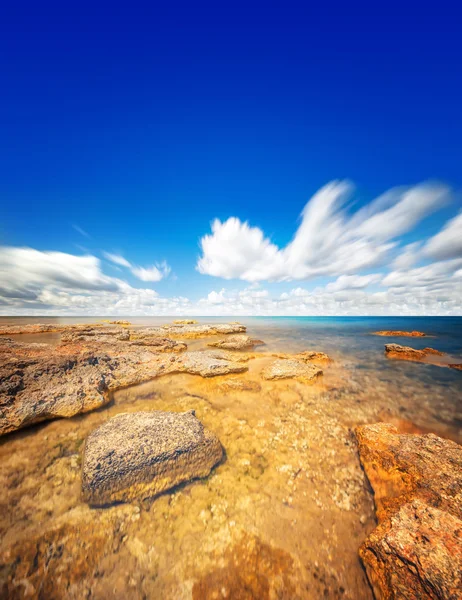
column 81, row 231
column 117, row 259
column 328, row 242
column 154, row 273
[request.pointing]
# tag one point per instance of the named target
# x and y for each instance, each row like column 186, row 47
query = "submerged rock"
column 240, row 385
column 290, row 368
column 308, row 356
column 236, row 342
column 416, row 551
column 138, row 455
column 457, row 366
column 61, row 561
column 401, row 333
column 407, row 353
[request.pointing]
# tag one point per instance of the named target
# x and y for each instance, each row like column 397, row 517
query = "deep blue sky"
column 141, row 125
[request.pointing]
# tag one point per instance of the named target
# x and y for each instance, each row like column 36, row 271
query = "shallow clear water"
column 284, row 514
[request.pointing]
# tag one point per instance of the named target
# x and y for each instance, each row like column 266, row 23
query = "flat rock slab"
column 236, row 342
column 207, row 364
column 290, row 368
column 308, row 356
column 188, row 331
column 36, row 389
column 416, row 551
column 139, row 455
column 400, row 333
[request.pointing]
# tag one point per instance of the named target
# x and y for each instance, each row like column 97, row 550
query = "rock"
column 190, row 331
column 59, row 562
column 249, row 570
column 290, row 368
column 39, row 382
column 240, row 385
column 138, row 455
column 308, row 356
column 457, row 366
column 207, row 365
column 41, row 388
column 416, row 551
column 407, row 353
column 401, row 467
column 120, row 322
column 45, row 328
column 160, row 344
column 185, row 322
column 236, row 342
column 401, row 333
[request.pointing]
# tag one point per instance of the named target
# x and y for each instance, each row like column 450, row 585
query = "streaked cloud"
column 329, row 241
column 117, row 259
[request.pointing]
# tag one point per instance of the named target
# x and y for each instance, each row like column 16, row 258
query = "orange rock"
column 401, row 333
column 416, row 551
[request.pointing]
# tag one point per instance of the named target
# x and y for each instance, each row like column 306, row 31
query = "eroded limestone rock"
column 236, row 342
column 400, row 333
column 189, row 331
column 416, row 551
column 407, row 353
column 138, row 455
column 308, row 356
column 291, row 368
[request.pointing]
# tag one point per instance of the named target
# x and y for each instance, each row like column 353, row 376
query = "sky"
column 244, row 159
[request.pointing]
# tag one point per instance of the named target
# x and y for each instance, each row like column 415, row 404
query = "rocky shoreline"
column 138, row 455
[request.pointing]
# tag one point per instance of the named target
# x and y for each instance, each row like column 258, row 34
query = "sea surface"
column 284, row 515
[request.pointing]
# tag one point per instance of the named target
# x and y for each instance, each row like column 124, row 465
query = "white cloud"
column 154, row 273
column 328, row 242
column 348, row 282
column 448, row 242
column 117, row 259
column 408, row 257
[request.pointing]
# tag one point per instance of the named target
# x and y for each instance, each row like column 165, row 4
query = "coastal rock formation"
column 240, row 385
column 185, row 322
column 236, row 342
column 457, row 366
column 416, row 551
column 138, row 455
column 198, row 331
column 207, row 365
column 307, row 356
column 54, row 563
column 39, row 382
column 401, row 333
column 41, row 388
column 407, row 353
column 119, row 323
column 46, row 328
column 290, row 368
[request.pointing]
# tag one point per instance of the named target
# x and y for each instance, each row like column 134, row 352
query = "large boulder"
column 416, row 551
column 290, row 368
column 137, row 455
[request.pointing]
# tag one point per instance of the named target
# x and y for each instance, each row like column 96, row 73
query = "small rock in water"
column 137, row 455
column 407, row 353
column 400, row 333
